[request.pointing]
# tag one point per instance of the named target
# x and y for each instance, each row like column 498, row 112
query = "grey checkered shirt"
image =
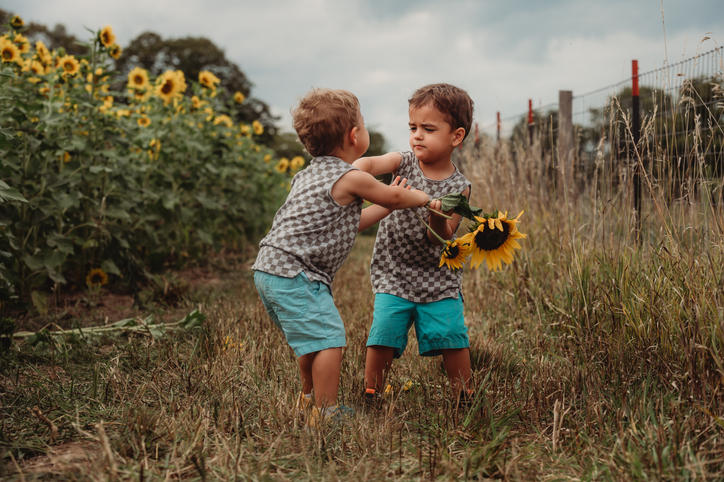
column 311, row 232
column 404, row 261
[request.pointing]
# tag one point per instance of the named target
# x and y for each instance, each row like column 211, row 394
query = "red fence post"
column 530, row 121
column 636, row 128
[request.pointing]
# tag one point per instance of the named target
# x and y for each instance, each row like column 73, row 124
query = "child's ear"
column 458, row 136
column 352, row 136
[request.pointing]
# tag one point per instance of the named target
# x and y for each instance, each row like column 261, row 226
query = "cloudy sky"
column 502, row 52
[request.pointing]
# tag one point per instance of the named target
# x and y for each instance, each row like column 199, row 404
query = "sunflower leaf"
column 459, row 204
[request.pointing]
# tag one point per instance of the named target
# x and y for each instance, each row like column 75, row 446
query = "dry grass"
column 595, row 357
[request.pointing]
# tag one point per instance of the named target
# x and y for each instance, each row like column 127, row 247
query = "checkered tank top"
column 404, row 261
column 311, row 232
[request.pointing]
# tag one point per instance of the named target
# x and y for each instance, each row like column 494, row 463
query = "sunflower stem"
column 437, row 212
column 443, row 241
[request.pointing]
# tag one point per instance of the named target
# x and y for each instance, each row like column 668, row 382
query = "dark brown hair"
column 323, row 117
column 453, row 102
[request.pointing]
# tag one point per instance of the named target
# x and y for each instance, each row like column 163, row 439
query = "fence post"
column 530, row 121
column 497, row 126
column 565, row 134
column 636, row 127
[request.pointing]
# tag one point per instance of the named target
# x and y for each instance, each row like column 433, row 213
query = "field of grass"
column 597, row 355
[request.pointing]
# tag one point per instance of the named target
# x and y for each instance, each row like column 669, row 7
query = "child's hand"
column 423, row 196
column 400, row 182
column 436, row 208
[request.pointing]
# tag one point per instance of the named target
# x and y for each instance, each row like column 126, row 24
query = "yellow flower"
column 258, row 128
column 223, row 119
column 96, row 277
column 17, row 22
column 9, row 52
column 65, row 157
column 167, row 86
column 267, row 158
column 106, row 36
column 195, row 102
column 115, row 51
column 207, row 79
column 69, row 64
column 144, row 121
column 296, row 163
column 138, row 78
column 282, row 165
column 245, row 129
column 493, row 240
column 454, row 254
column 107, row 104
column 155, row 150
column 43, row 53
column 239, row 97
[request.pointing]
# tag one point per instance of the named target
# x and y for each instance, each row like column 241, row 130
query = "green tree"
column 192, row 55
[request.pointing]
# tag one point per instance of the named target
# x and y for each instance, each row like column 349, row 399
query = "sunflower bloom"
column 115, row 51
column 454, row 254
column 9, row 52
column 296, row 163
column 494, row 240
column 43, row 53
column 167, row 86
column 17, row 22
column 208, row 80
column 69, row 64
column 258, row 127
column 96, row 277
column 144, row 121
column 106, row 36
column 239, row 97
column 282, row 165
column 138, row 78
column 223, row 119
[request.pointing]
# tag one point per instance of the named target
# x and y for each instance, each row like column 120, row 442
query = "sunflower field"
column 119, row 175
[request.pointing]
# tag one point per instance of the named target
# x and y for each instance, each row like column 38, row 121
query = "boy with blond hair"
column 312, row 234
column 409, row 285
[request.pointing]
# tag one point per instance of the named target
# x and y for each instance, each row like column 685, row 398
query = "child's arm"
column 358, row 184
column 444, row 227
column 377, row 165
column 373, row 214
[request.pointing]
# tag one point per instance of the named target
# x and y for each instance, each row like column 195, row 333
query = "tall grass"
column 597, row 355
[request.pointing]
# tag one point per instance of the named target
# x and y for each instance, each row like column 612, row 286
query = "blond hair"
column 323, row 117
column 454, row 104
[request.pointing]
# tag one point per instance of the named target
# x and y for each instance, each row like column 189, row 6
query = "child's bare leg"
column 377, row 364
column 457, row 366
column 326, row 368
column 305, row 369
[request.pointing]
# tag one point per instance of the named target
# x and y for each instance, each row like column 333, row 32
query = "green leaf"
column 110, row 267
column 40, row 301
column 193, row 320
column 125, row 322
column 458, row 203
column 63, row 244
column 8, row 193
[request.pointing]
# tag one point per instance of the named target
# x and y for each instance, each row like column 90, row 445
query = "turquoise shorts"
column 439, row 325
column 304, row 310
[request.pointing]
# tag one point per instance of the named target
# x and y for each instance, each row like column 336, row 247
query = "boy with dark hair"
column 409, row 285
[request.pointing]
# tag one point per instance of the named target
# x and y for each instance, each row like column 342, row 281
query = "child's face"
column 431, row 137
column 363, row 137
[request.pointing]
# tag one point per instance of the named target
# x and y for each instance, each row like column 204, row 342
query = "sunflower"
column 493, row 240
column 282, row 165
column 96, row 277
column 296, row 163
column 9, row 51
column 17, row 22
column 36, row 68
column 239, row 97
column 69, row 64
column 43, row 53
column 115, row 51
column 22, row 43
column 144, row 121
column 454, row 254
column 208, row 80
column 223, row 119
column 258, row 127
column 267, row 158
column 106, row 36
column 167, row 86
column 138, row 78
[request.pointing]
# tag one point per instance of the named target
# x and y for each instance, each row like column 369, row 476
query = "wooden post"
column 530, row 122
column 497, row 126
column 565, row 135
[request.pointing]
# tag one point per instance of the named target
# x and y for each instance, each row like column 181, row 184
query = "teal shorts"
column 304, row 310
column 439, row 325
